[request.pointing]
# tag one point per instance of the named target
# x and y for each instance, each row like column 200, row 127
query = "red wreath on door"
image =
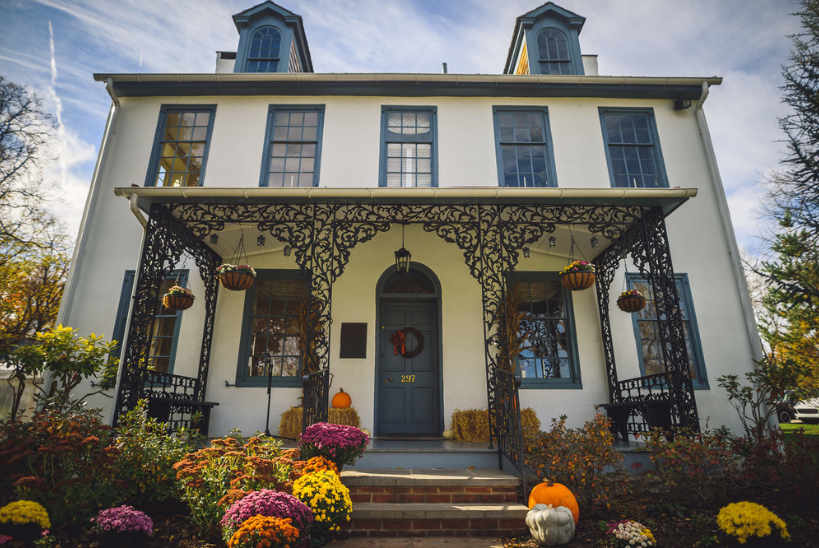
column 399, row 342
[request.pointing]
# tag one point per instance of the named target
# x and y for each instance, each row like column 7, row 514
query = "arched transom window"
column 553, row 50
column 264, row 50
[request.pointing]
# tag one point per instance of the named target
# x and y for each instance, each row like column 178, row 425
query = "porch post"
column 606, row 266
column 653, row 258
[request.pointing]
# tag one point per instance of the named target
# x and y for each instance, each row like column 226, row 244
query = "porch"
column 491, row 228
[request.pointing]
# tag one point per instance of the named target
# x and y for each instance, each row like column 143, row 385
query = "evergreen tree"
column 792, row 301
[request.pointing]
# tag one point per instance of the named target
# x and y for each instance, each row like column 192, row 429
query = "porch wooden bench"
column 656, row 414
column 159, row 408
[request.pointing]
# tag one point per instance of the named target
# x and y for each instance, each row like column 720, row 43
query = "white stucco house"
column 493, row 183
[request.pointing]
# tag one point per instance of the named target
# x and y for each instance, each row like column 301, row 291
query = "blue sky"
column 54, row 46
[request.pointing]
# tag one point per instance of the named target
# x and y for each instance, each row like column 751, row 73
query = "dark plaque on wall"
column 353, row 340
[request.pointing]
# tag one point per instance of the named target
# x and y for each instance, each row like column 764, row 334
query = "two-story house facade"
column 492, row 183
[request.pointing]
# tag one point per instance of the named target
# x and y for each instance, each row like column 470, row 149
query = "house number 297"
column 407, row 378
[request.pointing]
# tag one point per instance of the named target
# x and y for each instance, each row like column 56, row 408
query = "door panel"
column 409, row 388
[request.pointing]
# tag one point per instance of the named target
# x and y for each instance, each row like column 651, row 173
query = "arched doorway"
column 408, row 379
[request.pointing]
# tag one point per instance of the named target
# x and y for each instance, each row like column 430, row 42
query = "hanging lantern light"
column 402, row 256
column 552, row 241
column 594, row 241
column 526, row 252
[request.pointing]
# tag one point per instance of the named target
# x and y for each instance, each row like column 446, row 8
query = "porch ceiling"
column 668, row 199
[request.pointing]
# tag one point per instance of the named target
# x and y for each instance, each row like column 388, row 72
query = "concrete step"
column 428, row 455
column 434, row 502
column 434, row 486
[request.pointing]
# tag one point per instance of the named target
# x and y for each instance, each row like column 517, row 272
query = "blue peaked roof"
column 550, row 10
column 294, row 20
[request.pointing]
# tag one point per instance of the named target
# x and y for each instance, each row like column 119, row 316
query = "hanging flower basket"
column 578, row 275
column 631, row 301
column 236, row 277
column 178, row 298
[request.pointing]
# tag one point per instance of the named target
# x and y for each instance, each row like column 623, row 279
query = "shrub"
column 329, row 500
column 271, row 504
column 61, row 459
column 265, row 531
column 207, row 476
column 147, row 455
column 123, row 524
column 336, row 442
column 744, row 520
column 690, row 463
column 578, row 458
column 23, row 520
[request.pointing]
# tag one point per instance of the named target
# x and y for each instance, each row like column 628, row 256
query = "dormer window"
column 264, row 50
column 553, row 50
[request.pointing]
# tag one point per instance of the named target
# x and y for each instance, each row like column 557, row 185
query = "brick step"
column 435, row 503
column 437, row 520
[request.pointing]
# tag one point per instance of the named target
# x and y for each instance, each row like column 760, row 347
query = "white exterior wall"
column 466, row 149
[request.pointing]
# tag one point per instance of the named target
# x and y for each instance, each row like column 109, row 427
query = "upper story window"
column 633, row 148
column 271, row 329
column 408, row 148
column 646, row 331
column 523, row 147
column 553, row 52
column 263, row 55
column 292, row 152
column 550, row 358
column 181, row 146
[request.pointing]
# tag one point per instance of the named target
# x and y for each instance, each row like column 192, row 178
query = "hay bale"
column 290, row 423
column 473, row 424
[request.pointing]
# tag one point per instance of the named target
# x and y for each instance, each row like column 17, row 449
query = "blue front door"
column 408, row 387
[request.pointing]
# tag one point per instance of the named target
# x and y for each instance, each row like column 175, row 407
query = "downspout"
column 75, row 269
column 727, row 228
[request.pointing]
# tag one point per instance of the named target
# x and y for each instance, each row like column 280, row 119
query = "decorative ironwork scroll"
column 653, row 259
column 647, row 244
column 166, row 239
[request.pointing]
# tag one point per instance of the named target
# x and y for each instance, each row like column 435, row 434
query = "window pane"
column 519, row 165
column 181, row 150
column 291, row 139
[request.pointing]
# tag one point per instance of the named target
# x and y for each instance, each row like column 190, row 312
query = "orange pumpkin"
column 342, row 400
column 555, row 494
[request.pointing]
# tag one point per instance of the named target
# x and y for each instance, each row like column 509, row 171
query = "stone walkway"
column 427, row 542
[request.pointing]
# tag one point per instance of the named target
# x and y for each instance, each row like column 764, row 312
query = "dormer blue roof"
column 274, row 33
column 539, row 27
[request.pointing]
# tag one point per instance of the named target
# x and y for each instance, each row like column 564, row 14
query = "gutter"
column 727, row 228
column 437, row 193
column 90, row 205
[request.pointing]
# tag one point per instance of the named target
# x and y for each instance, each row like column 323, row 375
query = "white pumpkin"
column 550, row 526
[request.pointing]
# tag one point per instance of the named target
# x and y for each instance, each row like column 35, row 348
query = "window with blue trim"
column 271, row 329
column 181, row 146
column 553, row 52
column 523, row 147
column 546, row 323
column 633, row 148
column 165, row 327
column 293, row 146
column 648, row 339
column 408, row 147
column 263, row 55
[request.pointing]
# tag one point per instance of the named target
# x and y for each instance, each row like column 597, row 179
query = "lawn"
column 808, row 429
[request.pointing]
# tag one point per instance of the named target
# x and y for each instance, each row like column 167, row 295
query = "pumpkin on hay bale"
column 473, row 424
column 290, row 424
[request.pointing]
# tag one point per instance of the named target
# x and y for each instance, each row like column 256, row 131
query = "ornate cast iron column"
column 652, row 256
column 164, row 243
